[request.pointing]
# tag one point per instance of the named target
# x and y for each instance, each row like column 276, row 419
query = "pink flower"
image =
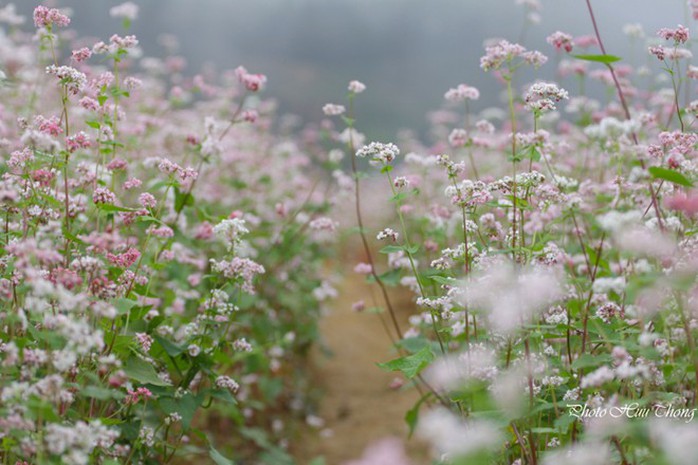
column 250, row 116
column 684, row 202
column 386, row 451
column 356, row 87
column 658, row 51
column 145, row 341
column 332, row 109
column 680, row 35
column 134, row 397
column 560, row 41
column 78, row 141
column 126, row 259
column 363, row 268
column 51, row 125
column 458, row 137
column 132, row 183
column 102, row 195
column 46, row 17
column 81, row 54
column 462, row 93
column 147, row 200
column 252, row 82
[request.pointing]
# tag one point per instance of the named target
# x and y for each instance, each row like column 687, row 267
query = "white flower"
column 230, row 231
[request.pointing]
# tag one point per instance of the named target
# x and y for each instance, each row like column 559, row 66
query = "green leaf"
column 124, row 305
column 100, row 393
column 413, row 249
column 605, row 59
column 171, row 348
column 442, row 280
column 413, row 414
column 410, row 365
column 113, row 208
column 589, row 360
column 217, row 457
column 182, row 200
column 391, row 249
column 186, row 406
column 669, row 175
column 143, row 372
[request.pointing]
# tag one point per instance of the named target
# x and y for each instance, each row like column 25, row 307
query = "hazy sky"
column 408, row 52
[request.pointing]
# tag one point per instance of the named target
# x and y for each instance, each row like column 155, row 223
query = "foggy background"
column 408, row 52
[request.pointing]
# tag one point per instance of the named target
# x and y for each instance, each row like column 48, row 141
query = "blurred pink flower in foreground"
column 388, row 451
column 684, row 202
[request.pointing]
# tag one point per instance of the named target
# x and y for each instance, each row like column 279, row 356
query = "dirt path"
column 358, row 405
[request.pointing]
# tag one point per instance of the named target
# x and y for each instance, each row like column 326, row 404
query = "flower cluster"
column 379, row 152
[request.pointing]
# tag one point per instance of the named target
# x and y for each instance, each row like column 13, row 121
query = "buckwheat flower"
column 680, row 35
column 450, row 435
column 147, row 436
column 102, row 195
column 401, row 182
column 122, row 43
column 500, row 53
column 173, row 418
column 598, row 377
column 332, row 109
column 453, row 371
column 193, row 350
column 51, row 125
column 387, row 233
column 162, row 231
column 241, row 345
column 383, row 452
column 47, row 17
column 77, row 141
column 658, row 51
column 535, row 58
column 250, row 115
column 560, row 41
column 9, row 16
column 252, row 82
column 71, row 78
column 242, row 269
column 147, row 200
column 81, row 55
column 583, row 453
column 140, row 393
column 634, row 30
column 542, row 96
column 88, row 103
column 458, row 137
column 133, row 83
column 379, row 152
column 522, row 293
column 356, row 87
column 462, row 93
column 363, row 268
column 685, row 202
column 226, row 382
column 132, row 183
column 230, row 231
column 678, row 53
column 358, row 306
column 335, row 155
column 605, row 285
column 126, row 259
column 127, row 10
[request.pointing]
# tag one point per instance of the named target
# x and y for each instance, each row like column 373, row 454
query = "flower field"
column 169, row 246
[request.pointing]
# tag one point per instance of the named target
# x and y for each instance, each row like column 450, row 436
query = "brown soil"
column 358, row 405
